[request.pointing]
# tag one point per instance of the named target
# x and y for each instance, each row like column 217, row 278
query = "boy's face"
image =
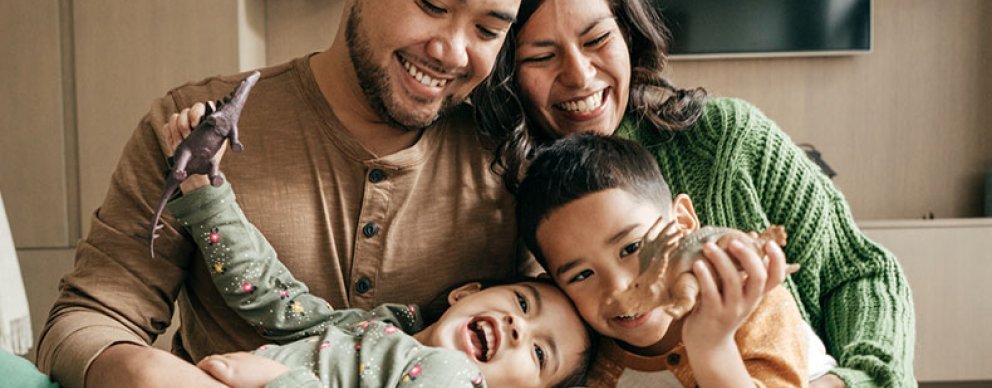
column 591, row 246
column 521, row 335
column 415, row 58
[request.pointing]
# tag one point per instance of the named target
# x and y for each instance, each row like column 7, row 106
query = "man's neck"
column 338, row 83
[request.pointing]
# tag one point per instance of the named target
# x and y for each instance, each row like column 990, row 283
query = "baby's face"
column 521, row 335
column 591, row 246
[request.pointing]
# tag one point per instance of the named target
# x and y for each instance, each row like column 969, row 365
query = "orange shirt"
column 772, row 344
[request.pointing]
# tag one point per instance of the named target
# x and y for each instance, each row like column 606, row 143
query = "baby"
column 523, row 334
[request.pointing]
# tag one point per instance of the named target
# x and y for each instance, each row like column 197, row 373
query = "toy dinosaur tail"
column 171, row 184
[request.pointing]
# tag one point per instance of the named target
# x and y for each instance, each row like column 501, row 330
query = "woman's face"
column 573, row 67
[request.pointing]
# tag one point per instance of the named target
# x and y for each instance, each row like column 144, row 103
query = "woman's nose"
column 577, row 70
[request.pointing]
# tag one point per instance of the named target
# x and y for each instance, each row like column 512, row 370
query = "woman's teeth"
column 587, row 104
column 424, row 79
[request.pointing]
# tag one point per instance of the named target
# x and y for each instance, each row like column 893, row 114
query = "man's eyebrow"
column 501, row 15
column 624, row 232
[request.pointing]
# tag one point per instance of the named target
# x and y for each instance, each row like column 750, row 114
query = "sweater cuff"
column 854, row 378
column 201, row 204
column 74, row 344
column 293, row 378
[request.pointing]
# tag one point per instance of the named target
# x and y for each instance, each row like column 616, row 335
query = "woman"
column 579, row 69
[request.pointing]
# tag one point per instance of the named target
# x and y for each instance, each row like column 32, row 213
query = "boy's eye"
column 522, row 302
column 431, row 8
column 581, row 276
column 630, row 248
column 540, row 355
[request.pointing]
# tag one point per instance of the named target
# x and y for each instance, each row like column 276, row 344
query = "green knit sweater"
column 743, row 172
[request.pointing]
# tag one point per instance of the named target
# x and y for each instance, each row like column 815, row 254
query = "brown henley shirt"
column 358, row 229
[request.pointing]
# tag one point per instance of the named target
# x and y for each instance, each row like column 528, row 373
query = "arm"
column 116, row 295
column 245, row 268
column 852, row 291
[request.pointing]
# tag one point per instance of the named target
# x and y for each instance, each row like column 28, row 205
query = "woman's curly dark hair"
column 499, row 107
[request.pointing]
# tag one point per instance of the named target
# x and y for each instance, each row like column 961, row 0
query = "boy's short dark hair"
column 579, row 165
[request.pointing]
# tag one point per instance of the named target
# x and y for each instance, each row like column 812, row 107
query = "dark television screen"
column 785, row 27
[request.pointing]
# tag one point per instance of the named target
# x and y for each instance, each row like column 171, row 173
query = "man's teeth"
column 487, row 331
column 424, row 79
column 587, row 104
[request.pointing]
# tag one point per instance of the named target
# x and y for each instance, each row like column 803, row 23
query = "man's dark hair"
column 579, row 165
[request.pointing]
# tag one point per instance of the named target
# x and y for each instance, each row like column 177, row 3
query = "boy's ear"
column 684, row 214
column 468, row 289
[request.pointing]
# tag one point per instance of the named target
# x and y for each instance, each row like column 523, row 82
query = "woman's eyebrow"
column 593, row 24
column 583, row 31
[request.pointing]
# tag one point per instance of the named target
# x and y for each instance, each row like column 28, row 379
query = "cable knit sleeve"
column 852, row 290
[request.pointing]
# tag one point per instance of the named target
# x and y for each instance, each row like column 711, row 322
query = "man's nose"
column 450, row 49
column 577, row 70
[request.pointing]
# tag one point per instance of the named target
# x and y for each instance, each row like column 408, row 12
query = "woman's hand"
column 242, row 370
column 177, row 129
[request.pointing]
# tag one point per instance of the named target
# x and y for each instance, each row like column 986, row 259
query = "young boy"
column 518, row 334
column 583, row 210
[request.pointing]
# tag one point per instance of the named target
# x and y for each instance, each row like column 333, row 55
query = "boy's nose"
column 514, row 328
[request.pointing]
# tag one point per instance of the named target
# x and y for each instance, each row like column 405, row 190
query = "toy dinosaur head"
column 226, row 118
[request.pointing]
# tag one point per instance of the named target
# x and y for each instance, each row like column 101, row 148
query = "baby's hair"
column 579, row 165
column 578, row 376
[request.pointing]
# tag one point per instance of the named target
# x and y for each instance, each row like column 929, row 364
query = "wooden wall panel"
column 127, row 54
column 906, row 127
column 41, row 270
column 297, row 27
column 947, row 263
column 32, row 142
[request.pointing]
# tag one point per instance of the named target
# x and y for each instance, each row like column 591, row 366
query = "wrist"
column 193, row 183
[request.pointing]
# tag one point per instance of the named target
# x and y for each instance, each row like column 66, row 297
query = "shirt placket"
column 373, row 226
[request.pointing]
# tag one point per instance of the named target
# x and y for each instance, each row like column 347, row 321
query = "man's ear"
column 457, row 294
column 684, row 214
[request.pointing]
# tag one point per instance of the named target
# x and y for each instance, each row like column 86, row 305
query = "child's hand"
column 242, row 370
column 722, row 309
column 177, row 129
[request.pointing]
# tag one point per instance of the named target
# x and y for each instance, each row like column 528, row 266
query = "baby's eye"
column 581, row 276
column 630, row 248
column 522, row 302
column 540, row 355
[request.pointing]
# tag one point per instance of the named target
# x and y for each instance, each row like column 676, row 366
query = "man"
column 384, row 194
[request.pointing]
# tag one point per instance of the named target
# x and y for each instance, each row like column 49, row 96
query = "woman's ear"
column 468, row 289
column 684, row 214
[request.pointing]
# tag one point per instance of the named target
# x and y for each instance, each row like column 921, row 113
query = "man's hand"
column 242, row 370
column 144, row 366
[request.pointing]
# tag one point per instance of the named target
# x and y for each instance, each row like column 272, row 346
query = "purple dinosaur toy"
column 195, row 154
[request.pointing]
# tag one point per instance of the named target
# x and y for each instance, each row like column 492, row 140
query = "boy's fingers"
column 709, row 294
column 776, row 265
column 724, row 269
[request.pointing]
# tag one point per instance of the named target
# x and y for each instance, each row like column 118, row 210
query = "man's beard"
column 375, row 82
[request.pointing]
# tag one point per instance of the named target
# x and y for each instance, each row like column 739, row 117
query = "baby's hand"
column 178, row 128
column 722, row 309
column 242, row 370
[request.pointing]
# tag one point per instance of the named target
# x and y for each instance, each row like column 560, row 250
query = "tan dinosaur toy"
column 666, row 277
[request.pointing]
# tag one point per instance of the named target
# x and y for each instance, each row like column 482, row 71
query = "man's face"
column 416, row 58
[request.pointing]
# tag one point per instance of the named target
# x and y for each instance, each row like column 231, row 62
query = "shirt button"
column 363, row 285
column 370, row 230
column 376, row 176
column 674, row 358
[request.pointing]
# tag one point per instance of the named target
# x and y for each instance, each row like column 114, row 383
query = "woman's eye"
column 522, row 302
column 431, row 8
column 630, row 248
column 581, row 276
column 536, row 59
column 597, row 40
column 540, row 355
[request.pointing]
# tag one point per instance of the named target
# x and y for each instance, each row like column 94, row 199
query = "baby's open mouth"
column 484, row 337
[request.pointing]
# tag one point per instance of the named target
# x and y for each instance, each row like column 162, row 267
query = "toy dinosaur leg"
column 215, row 178
column 235, row 143
column 684, row 293
column 182, row 159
